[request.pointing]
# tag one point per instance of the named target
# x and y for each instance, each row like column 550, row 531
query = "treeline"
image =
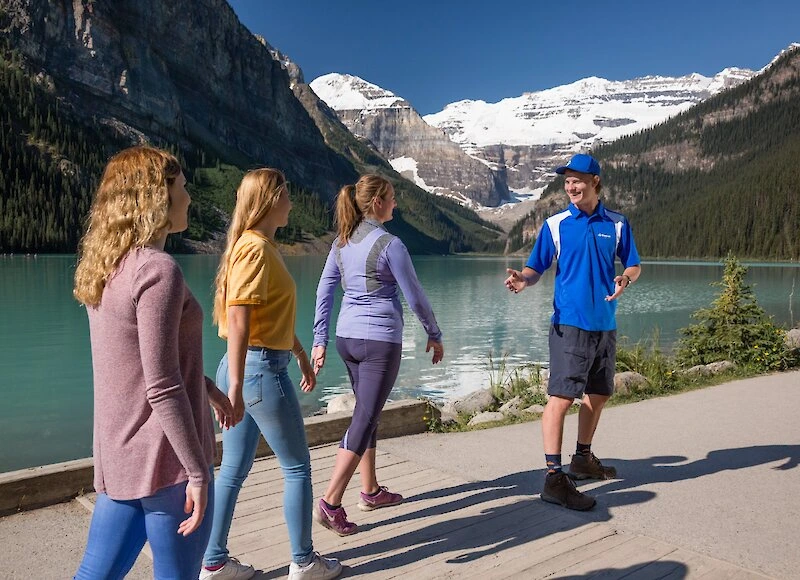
column 738, row 190
column 213, row 191
column 49, row 165
column 749, row 207
column 51, row 161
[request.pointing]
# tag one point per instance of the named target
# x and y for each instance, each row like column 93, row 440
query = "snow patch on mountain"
column 407, row 167
column 527, row 193
column 342, row 92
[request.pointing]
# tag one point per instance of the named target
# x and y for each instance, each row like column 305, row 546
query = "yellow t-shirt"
column 258, row 276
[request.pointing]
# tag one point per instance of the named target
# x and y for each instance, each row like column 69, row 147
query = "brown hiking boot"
column 560, row 489
column 589, row 467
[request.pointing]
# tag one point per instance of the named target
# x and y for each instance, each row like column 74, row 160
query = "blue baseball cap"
column 581, row 163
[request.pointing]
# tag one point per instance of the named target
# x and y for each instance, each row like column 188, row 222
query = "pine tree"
column 734, row 328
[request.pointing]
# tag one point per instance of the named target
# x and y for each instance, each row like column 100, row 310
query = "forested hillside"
column 80, row 82
column 722, row 177
column 48, row 165
column 51, row 161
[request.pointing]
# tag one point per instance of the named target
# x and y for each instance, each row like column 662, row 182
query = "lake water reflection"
column 46, row 363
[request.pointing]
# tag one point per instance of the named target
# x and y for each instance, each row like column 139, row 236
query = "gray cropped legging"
column 373, row 366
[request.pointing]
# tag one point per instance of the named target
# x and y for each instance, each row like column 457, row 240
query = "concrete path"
column 714, row 471
column 706, row 490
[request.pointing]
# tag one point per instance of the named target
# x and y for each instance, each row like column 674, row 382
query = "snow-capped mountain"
column 584, row 112
column 421, row 153
column 535, row 132
column 520, row 139
column 350, row 93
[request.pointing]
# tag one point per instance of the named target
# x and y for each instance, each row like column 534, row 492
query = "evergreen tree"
column 734, row 328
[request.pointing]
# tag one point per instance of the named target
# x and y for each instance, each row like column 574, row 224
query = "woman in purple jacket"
column 370, row 263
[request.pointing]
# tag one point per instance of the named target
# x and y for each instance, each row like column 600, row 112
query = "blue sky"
column 434, row 52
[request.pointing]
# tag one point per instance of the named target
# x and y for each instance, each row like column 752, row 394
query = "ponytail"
column 355, row 201
column 348, row 214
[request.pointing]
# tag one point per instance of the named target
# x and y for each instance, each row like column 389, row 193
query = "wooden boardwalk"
column 449, row 528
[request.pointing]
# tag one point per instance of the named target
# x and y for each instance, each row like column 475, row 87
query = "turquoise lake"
column 46, row 367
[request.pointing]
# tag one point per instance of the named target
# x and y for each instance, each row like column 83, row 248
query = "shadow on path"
column 471, row 537
column 668, row 469
column 660, row 569
column 500, row 528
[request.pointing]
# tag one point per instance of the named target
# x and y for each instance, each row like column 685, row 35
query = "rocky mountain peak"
column 344, row 92
column 421, row 153
column 287, row 64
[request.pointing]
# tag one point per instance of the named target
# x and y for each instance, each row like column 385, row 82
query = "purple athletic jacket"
column 370, row 268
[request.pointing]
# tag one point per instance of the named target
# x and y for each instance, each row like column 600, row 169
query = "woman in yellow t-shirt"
column 254, row 307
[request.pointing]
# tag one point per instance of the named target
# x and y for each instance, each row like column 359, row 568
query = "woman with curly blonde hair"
column 255, row 307
column 153, row 436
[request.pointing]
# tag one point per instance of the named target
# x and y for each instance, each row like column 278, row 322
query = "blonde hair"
column 355, row 201
column 130, row 209
column 257, row 195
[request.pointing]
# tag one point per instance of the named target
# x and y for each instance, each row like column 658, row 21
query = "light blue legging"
column 271, row 408
column 119, row 529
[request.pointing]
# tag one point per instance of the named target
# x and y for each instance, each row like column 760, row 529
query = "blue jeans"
column 271, row 408
column 119, row 529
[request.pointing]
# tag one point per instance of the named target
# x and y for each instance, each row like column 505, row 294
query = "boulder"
column 629, row 382
column 473, row 403
column 487, row 417
column 342, row 403
column 447, row 418
column 534, row 409
column 511, row 407
column 696, row 371
column 793, row 339
column 537, row 389
column 721, row 366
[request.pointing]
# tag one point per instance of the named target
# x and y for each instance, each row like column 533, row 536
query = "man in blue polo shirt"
column 585, row 239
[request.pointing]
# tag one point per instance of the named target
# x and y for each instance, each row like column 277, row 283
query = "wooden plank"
column 551, row 547
column 253, row 499
column 695, row 565
column 464, row 548
column 622, row 561
column 592, row 551
column 393, row 519
column 249, row 522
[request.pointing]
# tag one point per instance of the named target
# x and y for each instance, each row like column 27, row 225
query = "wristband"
column 629, row 281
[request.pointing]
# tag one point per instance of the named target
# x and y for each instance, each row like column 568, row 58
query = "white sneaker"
column 232, row 570
column 320, row 568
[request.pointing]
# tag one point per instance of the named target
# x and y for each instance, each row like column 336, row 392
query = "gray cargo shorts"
column 581, row 361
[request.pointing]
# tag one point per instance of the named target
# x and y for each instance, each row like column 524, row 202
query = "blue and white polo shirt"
column 585, row 248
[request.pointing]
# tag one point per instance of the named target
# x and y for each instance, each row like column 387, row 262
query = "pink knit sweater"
column 152, row 423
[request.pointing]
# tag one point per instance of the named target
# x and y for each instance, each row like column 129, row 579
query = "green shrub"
column 646, row 358
column 735, row 328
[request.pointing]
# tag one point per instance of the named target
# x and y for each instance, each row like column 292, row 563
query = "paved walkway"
column 706, row 491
